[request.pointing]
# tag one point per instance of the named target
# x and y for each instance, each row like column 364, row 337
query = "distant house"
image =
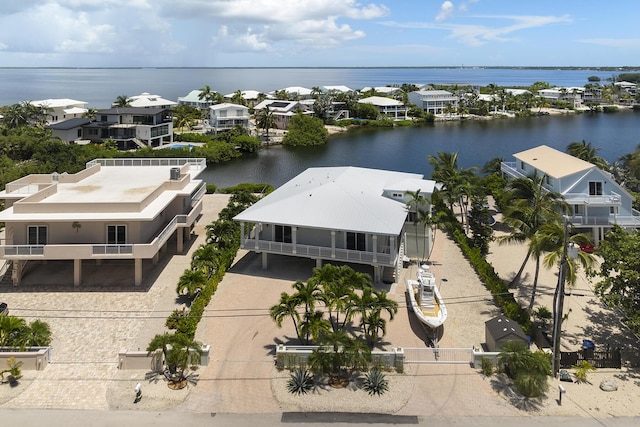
column 131, row 127
column 596, row 201
column 341, row 214
column 433, row 101
column 297, row 92
column 252, row 97
column 388, row 107
column 117, row 211
column 382, row 90
column 501, row 330
column 283, row 110
column 68, row 130
column 225, row 116
column 192, row 99
column 627, row 87
column 147, row 100
column 60, row 109
column 571, row 95
column 338, row 89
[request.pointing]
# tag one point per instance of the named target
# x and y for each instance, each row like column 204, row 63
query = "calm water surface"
column 407, row 149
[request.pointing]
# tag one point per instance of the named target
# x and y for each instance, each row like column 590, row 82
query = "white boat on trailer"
column 425, row 299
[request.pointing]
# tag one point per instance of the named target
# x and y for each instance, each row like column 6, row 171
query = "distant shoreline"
column 431, row 67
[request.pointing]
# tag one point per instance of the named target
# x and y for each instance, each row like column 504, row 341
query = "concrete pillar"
column 333, row 243
column 241, row 234
column 375, row 248
column 155, row 258
column 256, row 237
column 77, row 272
column 265, row 264
column 138, row 272
column 180, row 240
column 294, row 238
column 17, row 272
column 377, row 275
column 318, row 263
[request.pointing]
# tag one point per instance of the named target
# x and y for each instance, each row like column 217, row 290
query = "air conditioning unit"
column 174, row 174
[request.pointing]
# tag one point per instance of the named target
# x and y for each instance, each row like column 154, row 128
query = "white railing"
column 194, row 163
column 112, row 249
column 583, row 198
column 198, row 194
column 23, row 250
column 322, row 252
column 438, row 355
column 510, row 169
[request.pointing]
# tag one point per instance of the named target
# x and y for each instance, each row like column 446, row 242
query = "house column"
column 264, row 260
column 318, row 262
column 241, row 234
column 375, row 248
column 179, row 240
column 138, row 272
column 294, row 238
column 595, row 231
column 377, row 276
column 17, row 272
column 77, row 272
column 333, row 243
column 155, row 258
column 256, row 237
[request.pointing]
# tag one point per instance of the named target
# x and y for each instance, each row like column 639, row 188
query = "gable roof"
column 501, row 327
column 226, row 105
column 338, row 198
column 57, row 102
column 552, row 162
column 380, row 101
column 146, row 99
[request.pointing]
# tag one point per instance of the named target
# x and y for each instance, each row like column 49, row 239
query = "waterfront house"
column 252, row 97
column 68, row 130
column 336, row 89
column 341, row 214
column 433, row 101
column 282, row 111
column 60, row 109
column 114, row 210
column 192, row 99
column 131, row 127
column 571, row 95
column 147, row 100
column 225, row 116
column 381, row 90
column 296, row 92
column 388, row 107
column 596, row 201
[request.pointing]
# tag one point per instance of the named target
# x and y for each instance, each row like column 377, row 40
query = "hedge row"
column 498, row 288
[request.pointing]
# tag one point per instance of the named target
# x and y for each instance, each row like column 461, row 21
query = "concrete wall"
column 35, row 360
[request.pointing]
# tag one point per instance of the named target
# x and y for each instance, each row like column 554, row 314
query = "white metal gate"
column 438, row 355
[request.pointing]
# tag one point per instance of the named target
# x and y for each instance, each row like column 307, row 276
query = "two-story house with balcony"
column 226, row 116
column 341, row 214
column 114, row 210
column 596, row 201
column 60, row 109
column 131, row 127
column 388, row 107
column 283, row 111
column 433, row 101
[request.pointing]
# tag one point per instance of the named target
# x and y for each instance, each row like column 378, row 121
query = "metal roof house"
column 596, row 201
column 342, row 214
column 113, row 210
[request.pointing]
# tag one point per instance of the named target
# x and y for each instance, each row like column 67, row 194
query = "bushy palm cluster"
column 16, row 332
column 529, row 370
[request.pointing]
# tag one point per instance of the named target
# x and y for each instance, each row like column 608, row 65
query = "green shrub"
column 610, row 108
column 486, row 367
column 375, row 382
column 582, row 370
column 249, row 187
column 211, row 188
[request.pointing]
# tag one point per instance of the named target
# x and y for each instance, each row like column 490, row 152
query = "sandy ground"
column 241, row 376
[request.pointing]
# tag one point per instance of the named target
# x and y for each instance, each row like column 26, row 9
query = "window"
column 613, row 210
column 37, row 235
column 116, row 234
column 283, row 233
column 595, row 188
column 356, row 241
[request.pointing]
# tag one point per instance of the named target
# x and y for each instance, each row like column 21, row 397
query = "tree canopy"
column 305, row 130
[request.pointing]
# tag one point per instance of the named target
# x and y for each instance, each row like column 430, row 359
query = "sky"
column 318, row 33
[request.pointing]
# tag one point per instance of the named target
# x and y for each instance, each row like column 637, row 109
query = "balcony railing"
column 613, row 199
column 322, row 252
column 194, row 163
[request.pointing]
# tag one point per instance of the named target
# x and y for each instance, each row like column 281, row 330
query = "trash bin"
column 588, row 345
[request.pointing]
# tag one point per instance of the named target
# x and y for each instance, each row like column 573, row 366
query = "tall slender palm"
column 287, row 307
column 531, row 205
column 266, row 120
column 191, row 282
column 307, row 294
column 585, row 151
column 207, row 94
column 370, row 306
column 205, row 259
column 313, row 326
column 416, row 201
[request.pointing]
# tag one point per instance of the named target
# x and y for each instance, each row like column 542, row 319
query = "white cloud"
column 446, row 10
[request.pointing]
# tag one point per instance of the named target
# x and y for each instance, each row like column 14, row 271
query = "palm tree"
column 585, row 151
column 456, row 183
column 90, row 113
column 287, row 307
column 238, row 98
column 37, row 334
column 530, row 206
column 315, row 91
column 307, row 294
column 122, row 101
column 10, row 330
column 207, row 94
column 370, row 306
column 179, row 351
column 416, row 201
column 338, row 355
column 313, row 325
column 205, row 259
column 191, row 282
column 266, row 120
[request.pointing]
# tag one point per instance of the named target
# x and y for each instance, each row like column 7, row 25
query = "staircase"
column 6, row 273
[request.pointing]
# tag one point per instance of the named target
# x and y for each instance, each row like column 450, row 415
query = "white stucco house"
column 389, row 107
column 282, row 111
column 192, row 99
column 114, row 210
column 60, row 109
column 433, row 101
column 226, row 116
column 147, row 100
column 596, row 201
column 341, row 214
